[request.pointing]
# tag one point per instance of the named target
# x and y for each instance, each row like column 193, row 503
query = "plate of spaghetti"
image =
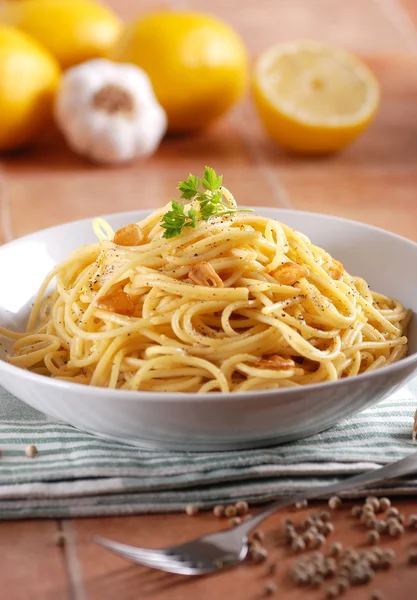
column 204, row 325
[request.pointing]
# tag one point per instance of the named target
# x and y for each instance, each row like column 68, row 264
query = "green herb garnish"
column 210, row 203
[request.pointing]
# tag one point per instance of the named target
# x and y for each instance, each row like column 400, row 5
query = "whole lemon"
column 29, row 76
column 72, row 30
column 197, row 64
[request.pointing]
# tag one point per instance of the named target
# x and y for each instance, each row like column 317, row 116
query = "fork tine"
column 136, row 553
column 141, row 556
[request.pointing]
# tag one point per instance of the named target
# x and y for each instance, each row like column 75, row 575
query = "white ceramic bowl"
column 212, row 421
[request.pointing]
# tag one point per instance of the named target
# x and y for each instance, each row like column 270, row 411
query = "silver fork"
column 226, row 549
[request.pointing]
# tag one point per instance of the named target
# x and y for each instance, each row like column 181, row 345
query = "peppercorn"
column 298, row 545
column 309, row 539
column 330, row 567
column 342, row 584
column 381, row 526
column 317, row 580
column 272, row 569
column 395, row 530
column 31, row 451
column 242, row 507
column 230, row 511
column 258, row 536
column 332, row 591
column 218, row 511
column 191, row 510
column 412, row 557
column 412, row 521
column 257, row 553
column 325, row 516
column 372, row 537
column 307, row 522
column 384, row 503
column 392, row 512
column 377, row 595
column 270, row 588
column 336, row 549
column 334, row 502
column 234, row 521
column 373, row 501
column 301, row 504
column 356, row 511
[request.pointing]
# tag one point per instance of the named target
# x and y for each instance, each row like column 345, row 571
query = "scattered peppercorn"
column 412, row 521
column 332, row 591
column 325, row 516
column 336, row 549
column 301, row 504
column 307, row 522
column 372, row 537
column 258, row 536
column 334, row 502
column 230, row 511
column 257, row 553
column 395, row 530
column 342, row 584
column 218, row 511
column 272, row 568
column 327, row 529
column 412, row 557
column 317, row 580
column 392, row 512
column 59, row 539
column 270, row 588
column 377, row 595
column 31, row 451
column 384, row 503
column 298, row 544
column 191, row 510
column 234, row 521
column 309, row 539
column 373, row 501
column 242, row 507
column 356, row 511
column 381, row 526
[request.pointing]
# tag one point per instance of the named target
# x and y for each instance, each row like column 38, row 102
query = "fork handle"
column 400, row 467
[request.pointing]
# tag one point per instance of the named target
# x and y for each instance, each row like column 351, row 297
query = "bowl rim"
column 138, row 395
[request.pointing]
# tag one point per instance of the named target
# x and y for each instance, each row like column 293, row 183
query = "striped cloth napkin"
column 77, row 474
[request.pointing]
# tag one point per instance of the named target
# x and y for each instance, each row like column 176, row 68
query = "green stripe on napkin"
column 77, row 474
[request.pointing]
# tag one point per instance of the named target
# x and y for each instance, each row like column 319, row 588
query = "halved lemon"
column 314, row 98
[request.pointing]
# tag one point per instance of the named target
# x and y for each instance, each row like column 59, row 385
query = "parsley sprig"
column 208, row 192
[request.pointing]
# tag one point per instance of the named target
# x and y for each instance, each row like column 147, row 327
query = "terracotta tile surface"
column 410, row 8
column 358, row 24
column 31, row 565
column 39, row 200
column 107, row 576
column 381, row 198
column 374, row 180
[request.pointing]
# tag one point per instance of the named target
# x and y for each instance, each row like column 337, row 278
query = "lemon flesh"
column 314, row 98
column 197, row 64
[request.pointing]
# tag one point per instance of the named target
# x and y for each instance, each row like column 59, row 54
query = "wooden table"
column 374, row 181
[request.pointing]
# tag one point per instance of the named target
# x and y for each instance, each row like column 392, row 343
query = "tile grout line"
column 6, row 229
column 401, row 20
column 72, row 563
column 279, row 190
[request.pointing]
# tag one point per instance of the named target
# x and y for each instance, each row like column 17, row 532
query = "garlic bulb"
column 108, row 111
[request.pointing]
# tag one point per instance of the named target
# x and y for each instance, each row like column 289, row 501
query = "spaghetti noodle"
column 240, row 302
